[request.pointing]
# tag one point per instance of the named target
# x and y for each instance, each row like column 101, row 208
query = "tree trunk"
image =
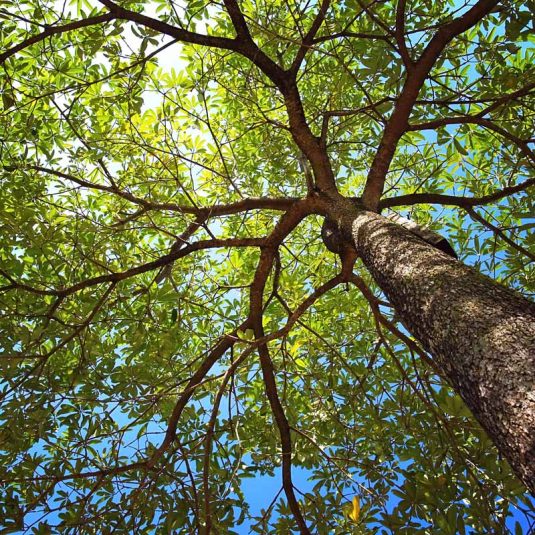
column 481, row 334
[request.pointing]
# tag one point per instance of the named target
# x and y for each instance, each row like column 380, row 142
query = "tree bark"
column 481, row 334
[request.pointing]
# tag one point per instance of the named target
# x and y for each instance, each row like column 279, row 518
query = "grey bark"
column 481, row 334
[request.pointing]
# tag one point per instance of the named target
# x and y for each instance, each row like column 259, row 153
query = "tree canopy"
column 173, row 327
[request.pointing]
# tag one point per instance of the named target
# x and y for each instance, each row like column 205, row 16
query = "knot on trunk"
column 332, row 236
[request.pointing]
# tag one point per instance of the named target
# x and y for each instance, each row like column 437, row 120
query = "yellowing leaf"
column 248, row 334
column 294, row 349
column 301, row 363
column 355, row 509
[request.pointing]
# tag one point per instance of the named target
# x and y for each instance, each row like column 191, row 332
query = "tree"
column 173, row 323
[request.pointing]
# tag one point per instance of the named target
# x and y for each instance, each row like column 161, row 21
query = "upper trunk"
column 481, row 335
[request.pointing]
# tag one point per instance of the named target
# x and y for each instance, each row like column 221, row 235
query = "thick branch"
column 244, row 205
column 242, row 45
column 293, row 318
column 55, row 30
column 281, row 230
column 286, row 224
column 162, row 27
column 284, row 430
column 143, row 268
column 453, row 200
column 400, row 34
column 311, row 146
column 222, row 346
column 398, row 122
column 238, row 20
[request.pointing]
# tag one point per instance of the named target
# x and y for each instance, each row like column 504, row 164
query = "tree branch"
column 285, row 225
column 226, row 343
column 398, row 123
column 143, row 268
column 293, row 318
column 269, row 244
column 243, row 45
column 308, row 40
column 283, row 426
column 453, row 200
column 55, row 30
column 210, row 434
column 355, row 35
column 160, row 26
column 244, row 205
column 83, row 475
column 499, row 232
column 495, row 101
column 476, row 119
column 238, row 20
column 222, row 346
column 399, row 34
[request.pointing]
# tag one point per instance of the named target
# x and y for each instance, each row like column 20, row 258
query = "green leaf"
column 131, row 404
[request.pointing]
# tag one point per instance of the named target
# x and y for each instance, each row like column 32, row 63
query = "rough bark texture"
column 481, row 334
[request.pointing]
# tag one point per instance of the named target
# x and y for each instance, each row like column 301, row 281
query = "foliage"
column 145, row 172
